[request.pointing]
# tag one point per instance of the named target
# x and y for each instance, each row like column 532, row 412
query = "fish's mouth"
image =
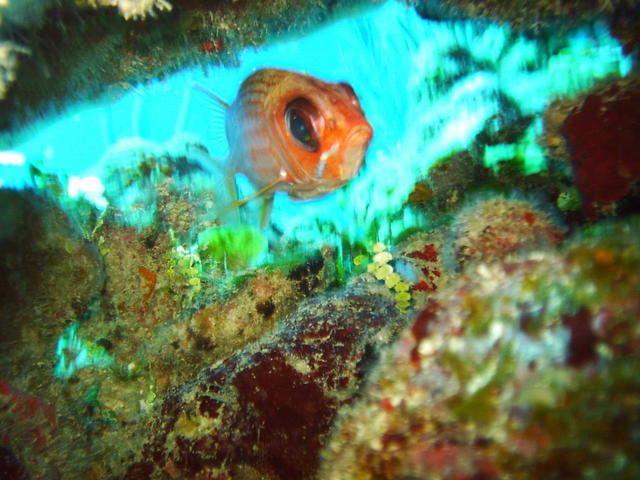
column 361, row 135
column 357, row 144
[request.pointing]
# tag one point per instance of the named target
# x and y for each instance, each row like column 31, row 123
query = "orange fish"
column 294, row 133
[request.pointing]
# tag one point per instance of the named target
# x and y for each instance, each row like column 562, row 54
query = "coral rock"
column 493, row 228
column 521, row 369
column 603, row 140
column 25, row 420
column 268, row 409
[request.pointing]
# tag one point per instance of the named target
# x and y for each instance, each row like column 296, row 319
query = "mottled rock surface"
column 524, row 368
column 268, row 409
column 603, row 141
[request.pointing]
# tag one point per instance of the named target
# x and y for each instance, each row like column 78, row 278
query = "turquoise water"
column 424, row 99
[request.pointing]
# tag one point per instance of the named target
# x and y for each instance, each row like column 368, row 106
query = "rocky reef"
column 266, row 411
column 519, row 369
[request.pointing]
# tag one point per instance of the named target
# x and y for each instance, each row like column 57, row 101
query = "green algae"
column 234, row 247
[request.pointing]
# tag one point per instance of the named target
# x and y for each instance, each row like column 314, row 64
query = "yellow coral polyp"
column 382, row 258
column 403, row 296
column 403, row 305
column 392, row 280
column 379, row 247
column 383, row 272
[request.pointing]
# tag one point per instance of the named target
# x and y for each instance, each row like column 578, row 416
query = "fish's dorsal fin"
column 215, row 99
column 217, row 116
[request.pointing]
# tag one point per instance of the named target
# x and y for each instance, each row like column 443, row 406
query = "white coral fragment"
column 139, row 9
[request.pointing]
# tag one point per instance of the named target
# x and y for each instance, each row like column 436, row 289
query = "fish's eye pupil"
column 299, row 127
column 299, row 116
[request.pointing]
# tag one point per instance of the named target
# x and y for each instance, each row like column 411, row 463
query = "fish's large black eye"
column 299, row 126
column 299, row 119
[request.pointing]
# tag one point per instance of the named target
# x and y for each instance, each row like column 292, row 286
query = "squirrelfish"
column 292, row 132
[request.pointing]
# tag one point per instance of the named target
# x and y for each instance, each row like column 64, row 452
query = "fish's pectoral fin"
column 258, row 193
column 235, row 204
